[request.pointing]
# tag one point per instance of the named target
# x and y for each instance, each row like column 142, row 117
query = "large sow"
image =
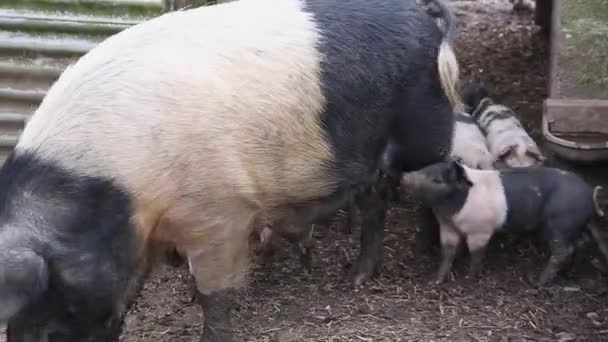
column 186, row 129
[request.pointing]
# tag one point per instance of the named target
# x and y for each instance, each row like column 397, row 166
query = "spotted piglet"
column 507, row 139
column 472, row 205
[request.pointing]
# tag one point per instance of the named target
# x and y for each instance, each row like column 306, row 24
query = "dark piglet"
column 472, row 205
column 523, row 5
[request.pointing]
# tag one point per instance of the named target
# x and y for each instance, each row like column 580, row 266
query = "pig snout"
column 265, row 236
column 411, row 180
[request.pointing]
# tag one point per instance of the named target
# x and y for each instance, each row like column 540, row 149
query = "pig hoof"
column 359, row 278
column 543, row 282
column 362, row 272
column 306, row 261
column 598, row 265
column 471, row 276
column 212, row 335
column 440, row 277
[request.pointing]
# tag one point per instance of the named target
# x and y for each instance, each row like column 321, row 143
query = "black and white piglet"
column 474, row 204
column 469, row 145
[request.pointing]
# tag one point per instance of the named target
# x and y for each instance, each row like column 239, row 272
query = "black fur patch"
column 489, row 116
column 561, row 203
column 482, row 107
column 81, row 226
column 376, row 54
column 472, row 92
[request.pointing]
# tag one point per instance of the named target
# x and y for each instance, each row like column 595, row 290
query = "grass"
column 585, row 25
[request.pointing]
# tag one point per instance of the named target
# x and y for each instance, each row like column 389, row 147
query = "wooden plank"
column 577, row 116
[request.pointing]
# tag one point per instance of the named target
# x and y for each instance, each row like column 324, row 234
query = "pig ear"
column 461, row 174
column 534, row 152
column 506, row 151
column 481, row 107
column 598, row 209
column 23, row 278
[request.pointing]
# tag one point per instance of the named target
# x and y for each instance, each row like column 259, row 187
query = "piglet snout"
column 413, row 179
column 407, row 179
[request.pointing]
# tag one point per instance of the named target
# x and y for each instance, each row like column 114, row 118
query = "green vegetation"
column 585, row 25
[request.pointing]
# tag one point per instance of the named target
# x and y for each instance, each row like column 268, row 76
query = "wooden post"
column 542, row 15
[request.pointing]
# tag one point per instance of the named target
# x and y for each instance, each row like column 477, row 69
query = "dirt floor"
column 282, row 304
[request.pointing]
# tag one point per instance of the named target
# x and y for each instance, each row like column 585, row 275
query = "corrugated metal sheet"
column 39, row 38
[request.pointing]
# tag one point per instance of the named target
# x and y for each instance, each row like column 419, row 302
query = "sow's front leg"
column 374, row 204
column 218, row 252
column 112, row 333
column 217, row 309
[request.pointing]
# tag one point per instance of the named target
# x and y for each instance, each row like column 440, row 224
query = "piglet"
column 520, row 6
column 469, row 145
column 474, row 204
column 508, row 141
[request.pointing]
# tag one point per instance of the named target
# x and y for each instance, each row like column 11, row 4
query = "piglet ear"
column 597, row 192
column 534, row 152
column 23, row 278
column 481, row 107
column 502, row 154
column 461, row 174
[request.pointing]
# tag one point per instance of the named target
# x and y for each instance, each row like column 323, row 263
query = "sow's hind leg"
column 218, row 256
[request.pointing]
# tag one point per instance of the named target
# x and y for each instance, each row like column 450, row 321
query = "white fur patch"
column 502, row 133
column 469, row 146
column 205, row 101
column 208, row 117
column 485, row 208
column 190, row 266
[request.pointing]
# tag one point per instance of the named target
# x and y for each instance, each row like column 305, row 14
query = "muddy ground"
column 282, row 304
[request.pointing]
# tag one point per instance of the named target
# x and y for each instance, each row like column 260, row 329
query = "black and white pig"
column 164, row 134
column 472, row 205
column 507, row 139
column 464, row 141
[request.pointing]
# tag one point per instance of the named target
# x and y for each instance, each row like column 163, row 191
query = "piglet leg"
column 428, row 236
column 559, row 254
column 477, row 244
column 450, row 240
